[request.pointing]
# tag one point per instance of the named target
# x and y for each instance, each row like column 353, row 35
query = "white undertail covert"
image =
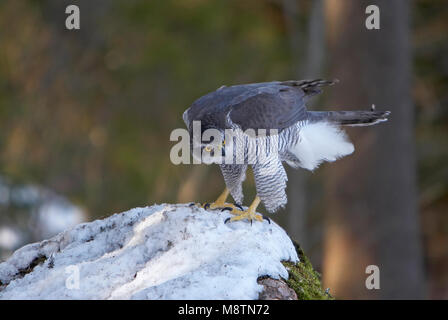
column 321, row 141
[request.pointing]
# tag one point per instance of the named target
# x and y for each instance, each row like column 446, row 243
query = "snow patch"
column 159, row 252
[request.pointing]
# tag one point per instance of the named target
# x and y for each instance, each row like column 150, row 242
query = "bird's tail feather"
column 349, row 118
column 310, row 87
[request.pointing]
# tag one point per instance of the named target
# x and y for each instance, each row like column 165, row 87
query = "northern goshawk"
column 268, row 124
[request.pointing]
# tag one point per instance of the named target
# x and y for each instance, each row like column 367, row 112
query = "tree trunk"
column 371, row 195
column 308, row 57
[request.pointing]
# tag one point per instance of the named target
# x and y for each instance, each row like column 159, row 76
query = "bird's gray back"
column 213, row 107
column 265, row 105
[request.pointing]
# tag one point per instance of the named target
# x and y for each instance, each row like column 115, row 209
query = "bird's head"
column 209, row 147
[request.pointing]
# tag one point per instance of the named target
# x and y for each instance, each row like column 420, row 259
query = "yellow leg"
column 222, row 198
column 220, row 203
column 249, row 214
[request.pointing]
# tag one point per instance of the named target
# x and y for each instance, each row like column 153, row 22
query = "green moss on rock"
column 304, row 280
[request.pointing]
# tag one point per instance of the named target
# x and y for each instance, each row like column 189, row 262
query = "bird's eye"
column 224, row 142
column 208, row 148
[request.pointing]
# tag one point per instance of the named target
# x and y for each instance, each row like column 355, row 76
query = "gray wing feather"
column 273, row 107
column 277, row 105
column 267, row 105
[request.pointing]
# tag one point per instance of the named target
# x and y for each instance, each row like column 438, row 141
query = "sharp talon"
column 192, row 204
column 266, row 218
column 226, row 209
column 227, row 220
column 206, row 206
column 239, row 207
column 251, row 222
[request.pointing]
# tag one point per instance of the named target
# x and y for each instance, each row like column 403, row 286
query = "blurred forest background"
column 85, row 119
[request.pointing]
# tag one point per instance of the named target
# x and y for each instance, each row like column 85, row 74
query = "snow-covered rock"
column 159, row 252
